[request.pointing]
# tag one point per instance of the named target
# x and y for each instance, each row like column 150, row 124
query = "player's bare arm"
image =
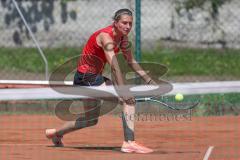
column 105, row 40
column 133, row 63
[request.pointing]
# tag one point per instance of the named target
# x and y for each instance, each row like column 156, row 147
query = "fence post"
column 138, row 30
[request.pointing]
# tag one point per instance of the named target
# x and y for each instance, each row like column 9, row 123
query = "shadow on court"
column 118, row 149
column 93, row 148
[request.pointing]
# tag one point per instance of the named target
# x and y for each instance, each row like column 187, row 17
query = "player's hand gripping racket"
column 189, row 101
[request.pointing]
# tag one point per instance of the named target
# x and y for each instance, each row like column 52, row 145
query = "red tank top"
column 93, row 58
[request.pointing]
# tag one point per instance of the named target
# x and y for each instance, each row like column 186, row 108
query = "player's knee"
column 80, row 124
column 85, row 123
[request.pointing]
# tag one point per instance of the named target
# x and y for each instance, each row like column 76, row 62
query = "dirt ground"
column 22, row 138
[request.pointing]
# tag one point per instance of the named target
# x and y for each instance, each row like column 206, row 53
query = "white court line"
column 208, row 153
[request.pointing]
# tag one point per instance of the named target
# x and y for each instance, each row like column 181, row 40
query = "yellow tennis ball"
column 178, row 97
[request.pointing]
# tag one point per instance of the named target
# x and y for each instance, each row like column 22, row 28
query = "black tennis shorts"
column 89, row 79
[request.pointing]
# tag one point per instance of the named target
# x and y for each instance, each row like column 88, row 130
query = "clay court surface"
column 22, row 138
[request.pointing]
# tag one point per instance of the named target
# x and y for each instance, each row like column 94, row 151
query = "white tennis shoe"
column 133, row 147
column 56, row 139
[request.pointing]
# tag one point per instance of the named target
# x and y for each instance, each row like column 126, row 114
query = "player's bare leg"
column 90, row 119
column 128, row 118
column 129, row 144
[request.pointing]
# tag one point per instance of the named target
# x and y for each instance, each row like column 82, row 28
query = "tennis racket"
column 189, row 101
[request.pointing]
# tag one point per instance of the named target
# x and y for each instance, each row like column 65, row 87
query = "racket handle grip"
column 142, row 99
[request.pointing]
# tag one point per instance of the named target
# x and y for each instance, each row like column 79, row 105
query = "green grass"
column 28, row 59
column 199, row 62
column 219, row 104
column 210, row 105
column 181, row 62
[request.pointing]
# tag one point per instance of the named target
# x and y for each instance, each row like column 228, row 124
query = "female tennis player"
column 101, row 48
